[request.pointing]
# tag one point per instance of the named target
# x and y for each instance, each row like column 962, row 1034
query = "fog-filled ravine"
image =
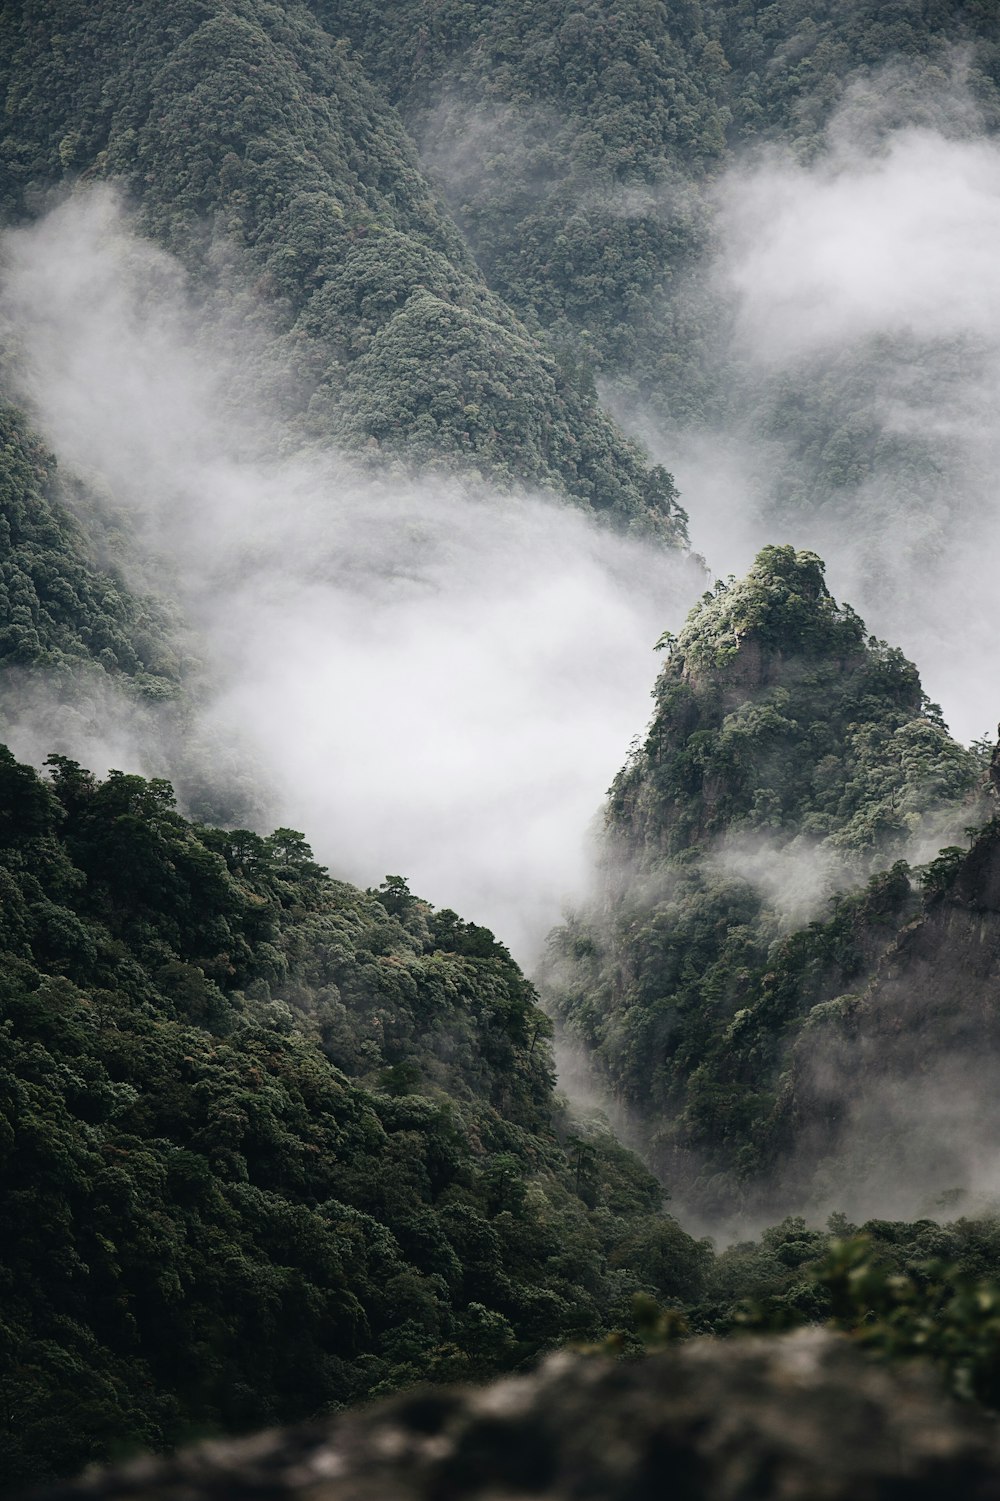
column 391, row 400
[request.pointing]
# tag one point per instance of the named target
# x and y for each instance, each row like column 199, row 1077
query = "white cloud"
column 437, row 682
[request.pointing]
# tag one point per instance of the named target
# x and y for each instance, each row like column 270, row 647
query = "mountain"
column 891, row 1083
column 272, row 1145
column 255, row 149
column 66, row 605
column 578, row 144
column 790, row 758
column 570, row 142
column 791, row 64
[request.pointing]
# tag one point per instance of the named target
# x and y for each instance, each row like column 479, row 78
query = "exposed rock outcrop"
column 802, row 1417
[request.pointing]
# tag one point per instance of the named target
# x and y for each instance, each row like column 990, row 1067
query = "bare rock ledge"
column 799, row 1417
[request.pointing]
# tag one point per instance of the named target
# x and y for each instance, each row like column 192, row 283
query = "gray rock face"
column 800, row 1417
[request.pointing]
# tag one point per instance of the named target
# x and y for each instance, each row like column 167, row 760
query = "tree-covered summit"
column 775, row 713
column 789, row 758
column 783, row 606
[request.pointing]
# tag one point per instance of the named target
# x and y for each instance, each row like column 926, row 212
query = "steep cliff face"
column 789, row 757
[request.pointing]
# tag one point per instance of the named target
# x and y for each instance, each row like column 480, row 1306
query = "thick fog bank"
column 428, row 680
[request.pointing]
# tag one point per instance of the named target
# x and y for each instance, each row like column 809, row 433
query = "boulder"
column 798, row 1417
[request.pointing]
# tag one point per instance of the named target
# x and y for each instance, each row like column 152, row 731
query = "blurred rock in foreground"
column 796, row 1416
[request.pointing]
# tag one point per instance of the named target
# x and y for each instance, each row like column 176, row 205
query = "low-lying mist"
column 429, row 679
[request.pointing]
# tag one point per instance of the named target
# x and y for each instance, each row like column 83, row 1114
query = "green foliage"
column 575, row 143
column 901, row 1291
column 569, row 141
column 774, row 713
column 940, row 872
column 270, row 1144
column 791, row 62
column 783, row 605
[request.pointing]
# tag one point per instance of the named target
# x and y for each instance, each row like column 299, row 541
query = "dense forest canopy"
column 272, row 1144
column 65, row 607
column 577, row 143
column 303, row 186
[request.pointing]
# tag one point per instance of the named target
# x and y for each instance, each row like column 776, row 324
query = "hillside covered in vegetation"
column 271, row 1144
column 791, row 759
column 66, row 604
column 257, row 151
column 577, row 145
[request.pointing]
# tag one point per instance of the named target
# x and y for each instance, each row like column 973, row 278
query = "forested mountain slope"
column 893, row 1083
column 575, row 143
column 789, row 757
column 66, row 606
column 257, row 151
column 569, row 140
column 790, row 63
column 270, row 1143
column 259, row 144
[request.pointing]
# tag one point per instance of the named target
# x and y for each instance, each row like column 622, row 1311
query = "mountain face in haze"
column 577, row 145
column 256, row 150
column 570, row 141
column 292, row 158
column 776, row 714
column 893, row 1082
column 66, row 608
column 791, row 63
column 790, row 758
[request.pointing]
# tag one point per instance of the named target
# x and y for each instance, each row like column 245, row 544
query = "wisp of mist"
column 856, row 400
column 433, row 681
